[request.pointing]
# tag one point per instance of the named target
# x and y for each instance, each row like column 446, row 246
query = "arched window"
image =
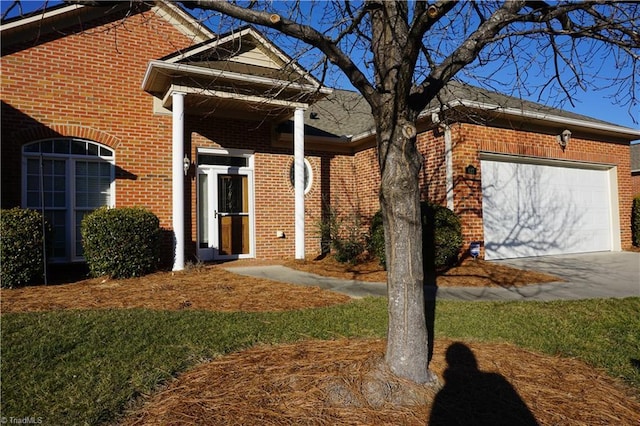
column 67, row 179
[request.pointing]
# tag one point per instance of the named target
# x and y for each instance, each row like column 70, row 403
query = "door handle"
column 215, row 214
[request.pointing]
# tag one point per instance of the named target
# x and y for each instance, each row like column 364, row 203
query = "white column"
column 178, row 180
column 298, row 167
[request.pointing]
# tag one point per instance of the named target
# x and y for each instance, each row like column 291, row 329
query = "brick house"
column 238, row 150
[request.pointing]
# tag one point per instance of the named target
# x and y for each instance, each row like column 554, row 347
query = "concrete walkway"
column 588, row 276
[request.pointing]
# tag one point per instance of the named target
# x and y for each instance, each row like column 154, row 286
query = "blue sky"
column 593, row 103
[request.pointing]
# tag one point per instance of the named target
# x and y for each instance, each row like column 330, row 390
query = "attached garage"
column 535, row 207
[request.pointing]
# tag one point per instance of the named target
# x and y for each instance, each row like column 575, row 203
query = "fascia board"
column 201, row 32
column 40, row 17
column 166, row 101
column 229, row 75
column 620, row 130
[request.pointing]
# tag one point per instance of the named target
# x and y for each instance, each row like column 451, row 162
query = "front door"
column 224, row 213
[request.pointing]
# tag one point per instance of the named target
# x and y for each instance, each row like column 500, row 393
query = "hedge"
column 121, row 242
column 22, row 247
column 441, row 236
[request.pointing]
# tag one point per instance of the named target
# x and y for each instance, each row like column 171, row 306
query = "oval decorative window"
column 308, row 175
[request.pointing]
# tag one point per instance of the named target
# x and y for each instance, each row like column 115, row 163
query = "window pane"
column 105, row 170
column 46, row 146
column 59, row 167
column 78, row 147
column 222, row 160
column 104, row 152
column 32, row 147
column 33, row 199
column 59, row 199
column 92, row 149
column 33, row 166
column 81, row 168
column 61, row 147
column 33, row 183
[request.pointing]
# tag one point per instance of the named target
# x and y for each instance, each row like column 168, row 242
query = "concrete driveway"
column 587, row 275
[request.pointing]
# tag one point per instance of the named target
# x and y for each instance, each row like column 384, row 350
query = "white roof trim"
column 40, row 16
column 565, row 121
column 263, row 41
column 204, row 32
column 552, row 118
column 166, row 101
column 215, row 73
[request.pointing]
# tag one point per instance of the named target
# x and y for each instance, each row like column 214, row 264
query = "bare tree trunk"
column 407, row 353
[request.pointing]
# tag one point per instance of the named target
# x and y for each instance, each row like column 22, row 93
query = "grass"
column 85, row 367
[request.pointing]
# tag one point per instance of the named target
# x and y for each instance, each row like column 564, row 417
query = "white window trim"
column 70, row 209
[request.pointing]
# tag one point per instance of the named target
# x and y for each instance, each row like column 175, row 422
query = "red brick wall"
column 87, row 84
column 367, row 178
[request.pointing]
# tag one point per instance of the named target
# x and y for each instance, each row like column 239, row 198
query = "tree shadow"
column 473, row 397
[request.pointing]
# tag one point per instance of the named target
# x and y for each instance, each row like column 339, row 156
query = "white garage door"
column 535, row 209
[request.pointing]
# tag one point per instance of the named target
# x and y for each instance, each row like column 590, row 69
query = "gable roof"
column 346, row 117
column 58, row 18
column 237, row 72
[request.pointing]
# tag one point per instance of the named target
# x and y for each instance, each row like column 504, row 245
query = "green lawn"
column 86, row 366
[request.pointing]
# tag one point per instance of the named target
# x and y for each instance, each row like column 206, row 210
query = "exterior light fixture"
column 186, row 163
column 470, row 170
column 564, row 138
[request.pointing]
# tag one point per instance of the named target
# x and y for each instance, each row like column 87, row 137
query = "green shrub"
column 122, row 242
column 342, row 233
column 347, row 250
column 635, row 221
column 441, row 236
column 21, row 249
column 376, row 239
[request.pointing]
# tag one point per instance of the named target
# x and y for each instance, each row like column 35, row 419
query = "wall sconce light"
column 186, row 163
column 470, row 170
column 564, row 138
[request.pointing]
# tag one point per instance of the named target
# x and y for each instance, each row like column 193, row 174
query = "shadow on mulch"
column 329, row 383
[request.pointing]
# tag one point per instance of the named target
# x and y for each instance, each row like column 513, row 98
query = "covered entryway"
column 239, row 75
column 535, row 207
column 226, row 225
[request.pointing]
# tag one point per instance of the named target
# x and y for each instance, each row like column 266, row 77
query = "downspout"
column 448, row 158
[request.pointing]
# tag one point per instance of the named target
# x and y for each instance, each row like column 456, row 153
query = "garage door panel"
column 533, row 210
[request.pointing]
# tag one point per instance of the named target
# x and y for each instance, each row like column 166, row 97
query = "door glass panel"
column 232, row 194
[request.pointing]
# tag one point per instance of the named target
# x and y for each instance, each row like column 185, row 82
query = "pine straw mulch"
column 470, row 273
column 202, row 288
column 326, row 382
column 211, row 287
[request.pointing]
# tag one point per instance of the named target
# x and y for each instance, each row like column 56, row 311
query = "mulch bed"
column 325, row 383
column 204, row 288
column 470, row 273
